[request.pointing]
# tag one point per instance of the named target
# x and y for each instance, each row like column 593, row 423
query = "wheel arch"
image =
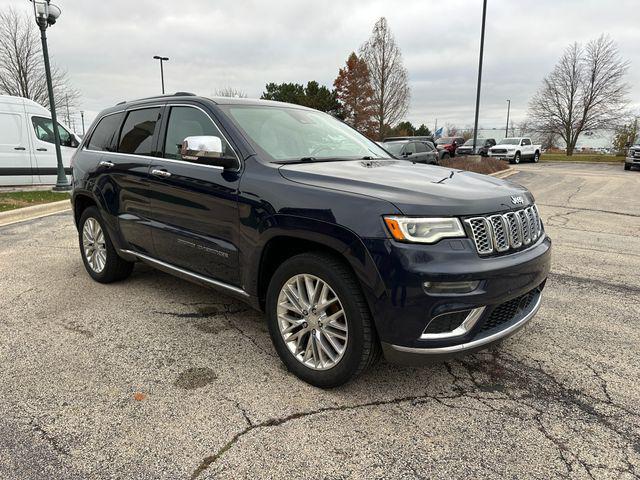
column 295, row 235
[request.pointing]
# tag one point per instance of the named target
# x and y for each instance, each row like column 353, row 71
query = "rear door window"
column 105, row 135
column 420, row 147
column 138, row 132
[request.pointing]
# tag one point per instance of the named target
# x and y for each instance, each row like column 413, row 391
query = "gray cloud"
column 107, row 47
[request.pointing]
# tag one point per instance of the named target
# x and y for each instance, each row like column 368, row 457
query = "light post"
column 46, row 14
column 506, row 130
column 162, row 59
column 82, row 117
column 475, row 126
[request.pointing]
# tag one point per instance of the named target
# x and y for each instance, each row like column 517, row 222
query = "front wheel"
column 98, row 253
column 516, row 158
column 627, row 166
column 319, row 321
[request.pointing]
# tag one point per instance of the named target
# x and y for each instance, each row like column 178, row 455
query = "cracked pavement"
column 155, row 377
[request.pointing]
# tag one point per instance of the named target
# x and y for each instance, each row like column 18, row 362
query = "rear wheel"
column 319, row 322
column 98, row 253
column 536, row 157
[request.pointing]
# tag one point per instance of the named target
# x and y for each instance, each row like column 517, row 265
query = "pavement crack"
column 612, row 212
column 49, row 438
column 591, row 282
column 276, row 422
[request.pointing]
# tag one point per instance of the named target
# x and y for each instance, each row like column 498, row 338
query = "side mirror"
column 206, row 149
column 406, row 154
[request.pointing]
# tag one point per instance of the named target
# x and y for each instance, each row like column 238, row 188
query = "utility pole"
column 506, row 130
column 82, row 117
column 475, row 125
column 66, row 99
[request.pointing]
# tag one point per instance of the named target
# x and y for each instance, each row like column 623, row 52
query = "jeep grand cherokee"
column 350, row 253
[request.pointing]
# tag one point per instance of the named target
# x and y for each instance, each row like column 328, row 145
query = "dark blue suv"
column 350, row 253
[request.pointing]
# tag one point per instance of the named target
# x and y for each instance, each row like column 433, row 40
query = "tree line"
column 371, row 91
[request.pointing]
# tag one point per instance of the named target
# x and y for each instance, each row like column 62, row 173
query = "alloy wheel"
column 93, row 244
column 312, row 322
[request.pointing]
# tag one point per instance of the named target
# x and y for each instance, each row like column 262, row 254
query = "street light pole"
column 475, row 126
column 82, row 117
column 46, row 14
column 162, row 59
column 506, row 130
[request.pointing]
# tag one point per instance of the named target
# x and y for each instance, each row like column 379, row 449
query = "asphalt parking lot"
column 158, row 378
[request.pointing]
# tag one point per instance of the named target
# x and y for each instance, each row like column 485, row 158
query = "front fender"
column 330, row 235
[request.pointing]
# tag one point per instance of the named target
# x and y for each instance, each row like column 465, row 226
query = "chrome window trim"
column 215, row 167
column 188, row 273
column 475, row 343
column 466, row 325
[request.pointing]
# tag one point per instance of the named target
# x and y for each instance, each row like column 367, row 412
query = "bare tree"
column 229, row 92
column 22, row 66
column 388, row 76
column 585, row 91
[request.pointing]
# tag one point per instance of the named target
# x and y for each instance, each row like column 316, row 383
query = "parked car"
column 27, row 151
column 449, row 145
column 482, row 147
column 350, row 253
column 516, row 149
column 422, row 138
column 421, row 152
column 633, row 155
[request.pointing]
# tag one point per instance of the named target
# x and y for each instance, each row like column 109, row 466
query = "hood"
column 414, row 188
column 506, row 145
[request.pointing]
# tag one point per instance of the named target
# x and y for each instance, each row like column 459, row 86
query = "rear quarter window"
column 105, row 135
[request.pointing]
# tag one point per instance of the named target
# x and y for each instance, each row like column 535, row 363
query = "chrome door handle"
column 106, row 164
column 160, row 173
column 19, row 148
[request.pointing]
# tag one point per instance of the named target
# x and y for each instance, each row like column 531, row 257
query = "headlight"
column 424, row 230
column 511, row 149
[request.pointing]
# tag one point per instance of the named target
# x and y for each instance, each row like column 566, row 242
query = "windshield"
column 444, row 140
column 395, row 148
column 479, row 141
column 293, row 134
column 510, row 141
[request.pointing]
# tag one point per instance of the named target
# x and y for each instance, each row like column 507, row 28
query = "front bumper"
column 416, row 356
column 632, row 161
column 403, row 313
column 502, row 156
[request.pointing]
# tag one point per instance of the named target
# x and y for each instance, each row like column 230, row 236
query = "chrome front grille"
column 508, row 231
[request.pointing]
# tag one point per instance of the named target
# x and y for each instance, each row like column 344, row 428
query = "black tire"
column 627, row 166
column 362, row 346
column 516, row 159
column 115, row 268
column 536, row 157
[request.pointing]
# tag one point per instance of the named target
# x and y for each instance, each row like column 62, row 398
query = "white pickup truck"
column 515, row 150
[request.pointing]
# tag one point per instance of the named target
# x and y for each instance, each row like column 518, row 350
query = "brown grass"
column 475, row 164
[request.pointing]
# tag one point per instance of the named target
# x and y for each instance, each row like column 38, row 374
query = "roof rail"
column 122, row 102
column 184, row 94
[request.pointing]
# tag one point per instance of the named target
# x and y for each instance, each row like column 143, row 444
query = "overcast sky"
column 107, row 47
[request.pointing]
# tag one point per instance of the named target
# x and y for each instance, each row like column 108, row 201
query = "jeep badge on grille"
column 517, row 199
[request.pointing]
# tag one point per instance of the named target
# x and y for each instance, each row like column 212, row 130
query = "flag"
column 438, row 132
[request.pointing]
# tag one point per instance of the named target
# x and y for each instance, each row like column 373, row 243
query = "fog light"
column 451, row 287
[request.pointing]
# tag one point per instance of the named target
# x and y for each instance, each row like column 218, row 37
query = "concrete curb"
column 36, row 211
column 504, row 173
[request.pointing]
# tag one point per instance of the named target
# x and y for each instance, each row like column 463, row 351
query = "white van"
column 27, row 151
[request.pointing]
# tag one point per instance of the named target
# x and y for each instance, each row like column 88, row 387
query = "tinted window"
column 105, row 134
column 137, row 131
column 188, row 122
column 44, row 131
column 420, row 147
column 526, row 141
